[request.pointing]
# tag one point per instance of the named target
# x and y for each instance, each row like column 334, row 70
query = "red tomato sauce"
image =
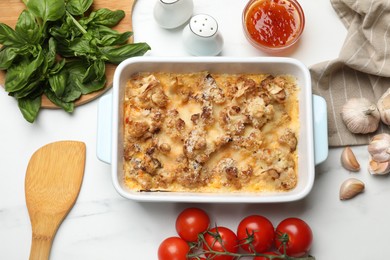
column 273, row 23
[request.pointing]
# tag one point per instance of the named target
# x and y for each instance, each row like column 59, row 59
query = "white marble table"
column 103, row 225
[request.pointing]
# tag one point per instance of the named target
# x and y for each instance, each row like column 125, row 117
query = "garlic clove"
column 350, row 188
column 383, row 105
column 360, row 116
column 378, row 168
column 379, row 148
column 349, row 161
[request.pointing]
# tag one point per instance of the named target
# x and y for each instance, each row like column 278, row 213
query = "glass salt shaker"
column 201, row 36
column 170, row 14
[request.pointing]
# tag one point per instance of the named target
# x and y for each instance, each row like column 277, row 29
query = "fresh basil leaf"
column 119, row 39
column 8, row 36
column 19, row 75
column 47, row 10
column 67, row 106
column 105, row 17
column 30, row 107
column 92, row 86
column 100, row 69
column 7, row 56
column 78, row 7
column 31, row 87
column 81, row 46
column 61, row 33
column 107, row 36
column 77, row 71
column 72, row 91
column 118, row 54
column 57, row 67
column 96, row 71
column 64, row 51
column 50, row 57
column 58, row 83
column 28, row 28
column 51, row 52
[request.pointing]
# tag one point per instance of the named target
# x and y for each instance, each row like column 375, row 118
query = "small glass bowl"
column 299, row 17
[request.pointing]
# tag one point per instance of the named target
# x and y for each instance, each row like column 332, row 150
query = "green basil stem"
column 78, row 25
column 25, row 2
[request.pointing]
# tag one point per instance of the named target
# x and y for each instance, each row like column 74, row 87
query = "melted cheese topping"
column 204, row 132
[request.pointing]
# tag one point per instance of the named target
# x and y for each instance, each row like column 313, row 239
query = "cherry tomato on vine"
column 190, row 222
column 228, row 239
column 173, row 248
column 257, row 230
column 299, row 234
column 266, row 258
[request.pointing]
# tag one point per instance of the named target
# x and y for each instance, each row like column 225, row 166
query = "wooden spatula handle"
column 40, row 247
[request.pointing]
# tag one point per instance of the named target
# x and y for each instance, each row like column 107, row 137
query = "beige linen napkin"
column 362, row 68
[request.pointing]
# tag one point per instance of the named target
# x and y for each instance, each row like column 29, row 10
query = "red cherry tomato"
column 258, row 230
column 191, row 222
column 173, row 248
column 299, row 234
column 266, row 258
column 228, row 239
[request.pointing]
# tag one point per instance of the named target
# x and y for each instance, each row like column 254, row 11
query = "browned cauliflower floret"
column 232, row 121
column 252, row 142
column 145, row 163
column 159, row 98
column 288, row 138
column 142, row 124
column 207, row 114
column 271, row 174
column 211, row 91
column 275, row 88
column 195, row 141
column 144, row 179
column 229, row 172
column 174, row 126
column 245, row 174
column 196, row 146
column 259, row 112
column 129, row 150
column 245, row 88
column 137, row 129
column 165, row 178
column 287, row 179
column 150, row 93
column 192, row 175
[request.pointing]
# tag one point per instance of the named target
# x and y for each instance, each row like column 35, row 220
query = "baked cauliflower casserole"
column 205, row 132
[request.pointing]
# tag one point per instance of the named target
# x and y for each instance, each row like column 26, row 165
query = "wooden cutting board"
column 15, row 7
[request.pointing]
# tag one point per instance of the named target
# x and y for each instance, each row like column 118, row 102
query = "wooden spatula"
column 53, row 181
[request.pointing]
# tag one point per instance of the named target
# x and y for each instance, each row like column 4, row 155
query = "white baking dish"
column 110, row 133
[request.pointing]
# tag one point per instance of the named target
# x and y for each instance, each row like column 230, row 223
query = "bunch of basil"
column 58, row 50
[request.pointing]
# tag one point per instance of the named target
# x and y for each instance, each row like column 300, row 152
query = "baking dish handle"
column 104, row 124
column 320, row 120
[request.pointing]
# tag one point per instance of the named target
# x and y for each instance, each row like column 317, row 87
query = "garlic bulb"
column 350, row 188
column 383, row 105
column 360, row 116
column 349, row 161
column 379, row 150
column 378, row 168
column 379, row 147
